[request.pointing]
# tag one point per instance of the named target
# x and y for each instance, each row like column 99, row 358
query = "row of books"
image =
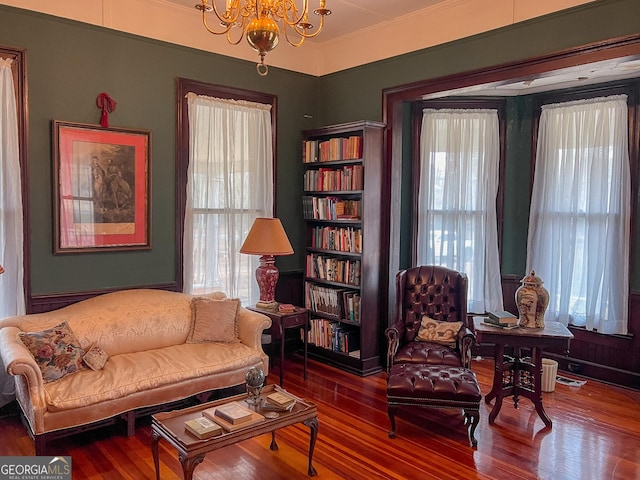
column 330, row 208
column 341, row 239
column 333, row 335
column 333, row 269
column 330, row 179
column 339, row 303
column 336, row 148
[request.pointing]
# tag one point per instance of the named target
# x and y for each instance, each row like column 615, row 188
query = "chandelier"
column 258, row 21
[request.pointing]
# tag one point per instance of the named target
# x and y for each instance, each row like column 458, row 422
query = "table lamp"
column 267, row 238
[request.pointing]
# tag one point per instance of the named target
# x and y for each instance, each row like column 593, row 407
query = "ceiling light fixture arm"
column 257, row 20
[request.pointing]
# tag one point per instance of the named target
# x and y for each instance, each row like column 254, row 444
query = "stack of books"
column 501, row 319
column 232, row 416
column 279, row 402
column 286, row 308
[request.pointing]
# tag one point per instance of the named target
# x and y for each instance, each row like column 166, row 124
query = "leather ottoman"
column 434, row 386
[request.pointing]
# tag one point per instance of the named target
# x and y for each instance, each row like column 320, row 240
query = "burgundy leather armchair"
column 424, row 373
column 439, row 293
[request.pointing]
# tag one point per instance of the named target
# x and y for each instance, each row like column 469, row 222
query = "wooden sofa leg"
column 392, row 418
column 472, row 418
column 131, row 423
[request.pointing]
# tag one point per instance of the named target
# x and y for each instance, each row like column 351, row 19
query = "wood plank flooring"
column 595, row 435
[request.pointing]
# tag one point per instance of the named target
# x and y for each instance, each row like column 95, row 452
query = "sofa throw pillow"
column 56, row 350
column 214, row 320
column 440, row 332
column 95, row 358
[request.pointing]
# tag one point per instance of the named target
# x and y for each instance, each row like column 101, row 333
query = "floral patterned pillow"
column 95, row 358
column 56, row 350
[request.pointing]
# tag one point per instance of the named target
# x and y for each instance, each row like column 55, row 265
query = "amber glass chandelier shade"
column 1, row 270
column 263, row 34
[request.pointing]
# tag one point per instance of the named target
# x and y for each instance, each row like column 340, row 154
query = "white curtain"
column 11, row 242
column 579, row 224
column 230, row 183
column 457, row 227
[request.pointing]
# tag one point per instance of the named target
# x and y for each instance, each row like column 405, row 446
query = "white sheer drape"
column 11, row 240
column 457, row 227
column 579, row 224
column 229, row 184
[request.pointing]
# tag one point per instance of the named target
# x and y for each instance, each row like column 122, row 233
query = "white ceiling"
column 348, row 16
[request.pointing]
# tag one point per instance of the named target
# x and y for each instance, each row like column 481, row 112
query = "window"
column 579, row 224
column 12, row 299
column 229, row 181
column 459, row 173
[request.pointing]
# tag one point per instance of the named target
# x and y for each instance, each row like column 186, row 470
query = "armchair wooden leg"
column 392, row 418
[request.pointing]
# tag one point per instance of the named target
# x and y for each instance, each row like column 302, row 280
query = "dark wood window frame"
column 183, row 87
column 19, row 68
column 601, row 356
column 455, row 103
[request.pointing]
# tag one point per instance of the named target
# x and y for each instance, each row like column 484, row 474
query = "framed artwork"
column 101, row 188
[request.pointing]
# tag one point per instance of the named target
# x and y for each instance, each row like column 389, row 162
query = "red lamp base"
column 267, row 276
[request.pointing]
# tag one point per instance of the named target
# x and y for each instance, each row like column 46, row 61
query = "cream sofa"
column 144, row 332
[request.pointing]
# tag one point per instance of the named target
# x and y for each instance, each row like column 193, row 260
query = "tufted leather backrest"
column 438, row 292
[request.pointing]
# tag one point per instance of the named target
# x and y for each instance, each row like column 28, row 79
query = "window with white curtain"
column 579, row 224
column 12, row 301
column 12, row 298
column 457, row 226
column 229, row 184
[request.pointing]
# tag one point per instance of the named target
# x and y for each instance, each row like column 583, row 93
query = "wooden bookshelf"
column 344, row 208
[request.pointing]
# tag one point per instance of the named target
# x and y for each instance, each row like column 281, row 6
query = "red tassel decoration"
column 108, row 105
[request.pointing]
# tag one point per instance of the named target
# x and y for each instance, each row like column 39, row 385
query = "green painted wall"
column 357, row 94
column 68, row 65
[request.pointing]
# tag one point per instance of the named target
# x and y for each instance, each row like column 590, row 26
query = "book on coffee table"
column 233, row 413
column 232, row 410
column 280, row 399
column 202, row 428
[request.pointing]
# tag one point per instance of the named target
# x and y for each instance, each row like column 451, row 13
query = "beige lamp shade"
column 267, row 237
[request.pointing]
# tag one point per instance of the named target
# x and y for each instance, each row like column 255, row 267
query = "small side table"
column 516, row 376
column 281, row 321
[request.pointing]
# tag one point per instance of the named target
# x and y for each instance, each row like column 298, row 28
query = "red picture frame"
column 101, row 188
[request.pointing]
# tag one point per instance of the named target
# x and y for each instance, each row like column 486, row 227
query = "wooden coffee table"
column 191, row 450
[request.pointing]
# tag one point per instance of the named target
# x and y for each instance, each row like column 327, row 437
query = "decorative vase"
column 532, row 300
column 255, row 381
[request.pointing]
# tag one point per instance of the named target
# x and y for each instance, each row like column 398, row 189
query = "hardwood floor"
column 595, row 435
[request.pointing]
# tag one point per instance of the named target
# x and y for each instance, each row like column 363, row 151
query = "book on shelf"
column 202, row 428
column 254, row 417
column 501, row 316
column 233, row 413
column 280, row 399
